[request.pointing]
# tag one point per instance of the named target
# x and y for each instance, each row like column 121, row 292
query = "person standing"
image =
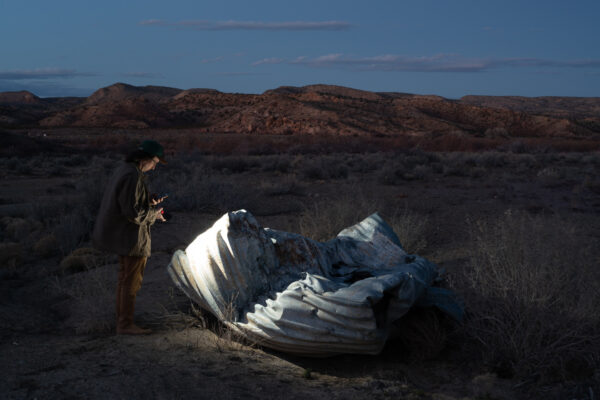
column 123, row 227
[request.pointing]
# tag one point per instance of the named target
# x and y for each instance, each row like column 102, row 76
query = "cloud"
column 202, row 25
column 150, row 22
column 44, row 82
column 44, row 88
column 212, row 60
column 436, row 63
column 41, row 73
column 536, row 62
column 272, row 60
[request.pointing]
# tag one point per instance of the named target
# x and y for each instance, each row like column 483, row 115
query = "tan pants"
column 131, row 273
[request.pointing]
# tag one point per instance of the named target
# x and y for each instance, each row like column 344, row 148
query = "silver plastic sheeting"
column 297, row 295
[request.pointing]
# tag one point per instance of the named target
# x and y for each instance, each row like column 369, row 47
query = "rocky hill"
column 312, row 110
column 22, row 97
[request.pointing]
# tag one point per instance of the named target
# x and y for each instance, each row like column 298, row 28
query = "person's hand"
column 159, row 215
column 156, row 201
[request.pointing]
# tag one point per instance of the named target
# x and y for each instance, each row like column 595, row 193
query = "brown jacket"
column 125, row 216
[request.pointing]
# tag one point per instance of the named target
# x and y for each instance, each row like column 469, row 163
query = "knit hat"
column 154, row 149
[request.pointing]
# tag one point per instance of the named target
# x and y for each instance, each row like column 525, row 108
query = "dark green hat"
column 154, row 149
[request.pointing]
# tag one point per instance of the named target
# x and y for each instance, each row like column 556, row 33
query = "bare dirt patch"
column 57, row 324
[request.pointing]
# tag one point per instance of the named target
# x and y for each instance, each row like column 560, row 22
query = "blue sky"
column 448, row 48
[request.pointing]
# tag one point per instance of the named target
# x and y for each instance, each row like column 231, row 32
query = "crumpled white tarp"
column 297, row 295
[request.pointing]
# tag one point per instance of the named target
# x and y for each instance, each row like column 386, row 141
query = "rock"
column 313, row 109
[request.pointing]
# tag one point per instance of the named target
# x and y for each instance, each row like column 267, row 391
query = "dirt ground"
column 56, row 328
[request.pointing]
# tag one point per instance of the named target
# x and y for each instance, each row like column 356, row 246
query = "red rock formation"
column 317, row 110
column 22, row 97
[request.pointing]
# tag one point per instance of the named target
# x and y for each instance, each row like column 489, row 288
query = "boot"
column 125, row 307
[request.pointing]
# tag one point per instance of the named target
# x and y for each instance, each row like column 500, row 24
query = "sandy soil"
column 56, row 329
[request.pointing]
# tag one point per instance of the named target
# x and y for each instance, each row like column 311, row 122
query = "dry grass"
column 194, row 188
column 529, row 284
column 323, row 220
column 223, row 336
column 227, row 337
column 411, row 228
column 72, row 229
column 92, row 293
column 218, row 143
column 83, row 259
column 11, row 254
column 423, row 333
column 532, row 299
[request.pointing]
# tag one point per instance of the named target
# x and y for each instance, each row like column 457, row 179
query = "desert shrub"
column 90, row 189
column 337, row 171
column 46, row 212
column 91, row 293
column 18, row 229
column 287, row 185
column 387, row 175
column 437, row 167
column 46, row 246
column 75, row 160
column 591, row 159
column 234, row 164
column 323, row 220
column 12, row 163
column 493, row 159
column 413, row 158
column 571, row 158
column 227, row 336
column 313, row 172
column 423, row 333
column 527, row 160
column 324, row 167
column 420, row 172
column 365, row 163
column 57, row 170
column 393, row 172
column 70, row 219
column 532, row 301
column 454, row 170
column 72, row 229
column 477, row 172
column 82, row 259
column 458, row 164
column 24, row 168
column 496, row 132
column 517, row 146
column 548, row 158
column 11, row 254
column 551, row 176
column 199, row 190
column 278, row 163
column 411, row 229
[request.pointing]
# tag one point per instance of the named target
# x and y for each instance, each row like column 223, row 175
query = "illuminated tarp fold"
column 301, row 296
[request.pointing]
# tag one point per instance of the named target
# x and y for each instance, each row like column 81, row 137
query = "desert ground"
column 515, row 225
